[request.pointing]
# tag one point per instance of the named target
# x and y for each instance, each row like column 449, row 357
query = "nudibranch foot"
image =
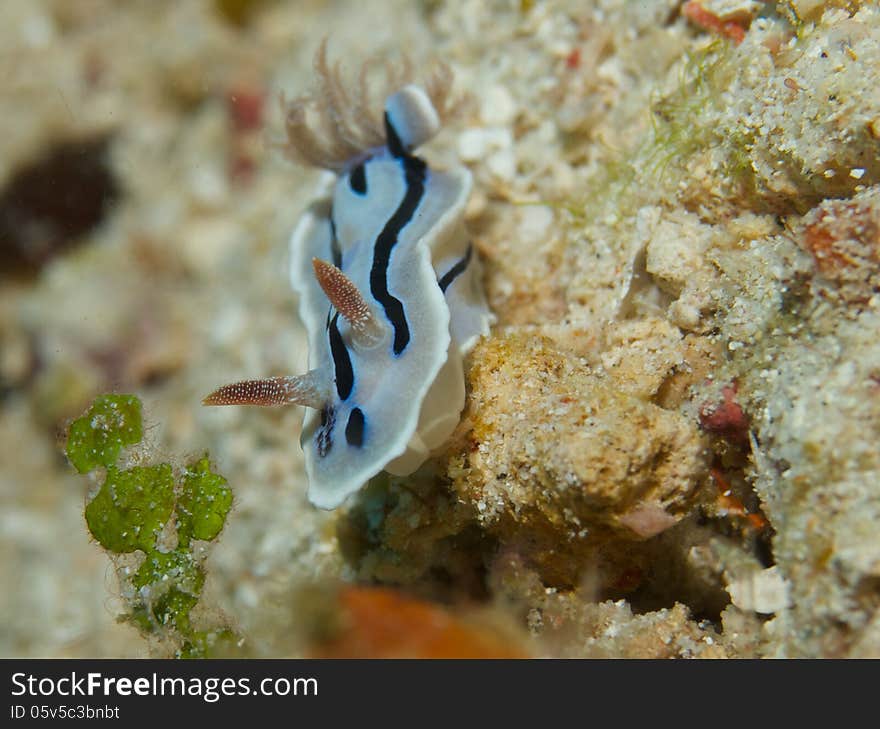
column 309, row 389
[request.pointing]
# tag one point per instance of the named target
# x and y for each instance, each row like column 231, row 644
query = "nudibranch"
column 388, row 284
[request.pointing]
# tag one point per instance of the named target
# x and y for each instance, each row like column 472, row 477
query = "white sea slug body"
column 389, row 291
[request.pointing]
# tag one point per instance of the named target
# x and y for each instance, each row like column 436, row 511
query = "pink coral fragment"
column 726, row 418
column 648, row 519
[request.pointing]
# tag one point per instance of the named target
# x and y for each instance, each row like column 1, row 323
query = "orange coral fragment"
column 821, row 240
column 699, row 16
column 843, row 237
column 382, row 623
column 731, row 505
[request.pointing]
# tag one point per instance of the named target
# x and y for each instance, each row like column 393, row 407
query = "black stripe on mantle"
column 414, row 172
column 341, row 360
column 459, row 268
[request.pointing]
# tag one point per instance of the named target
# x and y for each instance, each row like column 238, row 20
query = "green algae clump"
column 204, row 502
column 133, row 511
column 131, row 508
column 112, row 423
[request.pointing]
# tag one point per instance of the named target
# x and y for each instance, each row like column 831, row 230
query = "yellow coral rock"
column 567, row 457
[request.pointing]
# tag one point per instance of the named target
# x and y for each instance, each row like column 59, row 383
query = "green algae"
column 677, row 130
column 134, row 510
column 131, row 508
column 204, row 502
column 112, row 423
